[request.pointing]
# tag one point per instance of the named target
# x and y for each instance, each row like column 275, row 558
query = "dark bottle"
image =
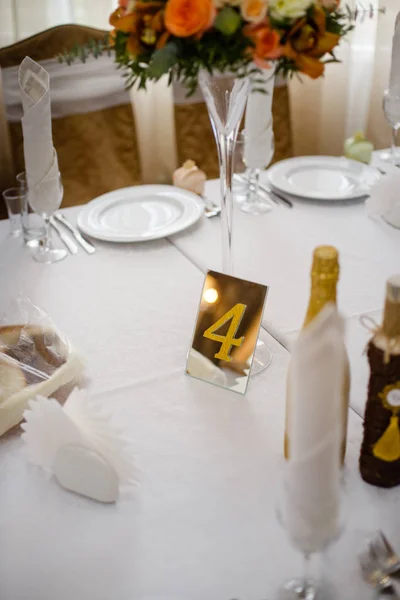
column 380, row 450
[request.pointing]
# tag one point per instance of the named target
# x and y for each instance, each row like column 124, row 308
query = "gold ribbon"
column 369, row 323
column 387, row 448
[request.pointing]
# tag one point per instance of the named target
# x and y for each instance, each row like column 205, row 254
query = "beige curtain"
column 349, row 98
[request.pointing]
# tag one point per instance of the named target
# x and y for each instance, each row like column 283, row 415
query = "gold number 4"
column 227, row 341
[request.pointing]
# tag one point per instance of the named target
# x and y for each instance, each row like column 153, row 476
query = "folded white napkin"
column 312, row 478
column 384, row 199
column 259, row 136
column 395, row 66
column 41, row 163
column 87, row 454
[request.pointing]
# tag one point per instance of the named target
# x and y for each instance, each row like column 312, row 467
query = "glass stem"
column 226, row 152
column 254, row 181
column 306, row 573
column 394, row 145
column 47, row 236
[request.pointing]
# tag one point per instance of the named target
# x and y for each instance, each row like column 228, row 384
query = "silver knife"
column 70, row 244
column 267, row 190
column 88, row 246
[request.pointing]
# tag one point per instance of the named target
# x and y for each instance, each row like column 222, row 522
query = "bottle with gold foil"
column 324, row 279
column 380, row 450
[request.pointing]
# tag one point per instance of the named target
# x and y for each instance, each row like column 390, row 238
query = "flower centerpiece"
column 228, row 46
column 180, row 37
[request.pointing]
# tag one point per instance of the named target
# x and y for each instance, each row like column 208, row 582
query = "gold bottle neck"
column 323, row 291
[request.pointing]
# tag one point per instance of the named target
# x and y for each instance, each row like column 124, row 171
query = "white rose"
column 289, row 9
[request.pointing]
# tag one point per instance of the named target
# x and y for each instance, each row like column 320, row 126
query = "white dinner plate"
column 140, row 213
column 322, row 177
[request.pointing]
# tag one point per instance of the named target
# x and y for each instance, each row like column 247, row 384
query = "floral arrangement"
column 151, row 38
column 180, row 37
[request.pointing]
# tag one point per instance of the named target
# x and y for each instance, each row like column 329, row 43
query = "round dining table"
column 200, row 523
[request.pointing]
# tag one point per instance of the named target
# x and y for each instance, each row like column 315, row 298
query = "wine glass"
column 311, row 540
column 391, row 107
column 256, row 201
column 45, row 198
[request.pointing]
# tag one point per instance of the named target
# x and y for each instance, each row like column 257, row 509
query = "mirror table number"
column 226, row 331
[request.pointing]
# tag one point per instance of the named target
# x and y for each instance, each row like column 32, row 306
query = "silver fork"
column 375, row 576
column 384, row 554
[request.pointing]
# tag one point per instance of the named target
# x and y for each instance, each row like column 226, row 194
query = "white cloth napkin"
column 395, row 66
column 80, row 445
column 41, row 163
column 312, row 478
column 384, row 199
column 259, row 136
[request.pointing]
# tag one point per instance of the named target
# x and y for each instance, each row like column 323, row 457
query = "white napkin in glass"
column 41, row 163
column 395, row 65
column 259, row 135
column 384, row 198
column 312, row 478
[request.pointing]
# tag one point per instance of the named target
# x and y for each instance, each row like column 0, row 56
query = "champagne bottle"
column 324, row 278
column 380, row 449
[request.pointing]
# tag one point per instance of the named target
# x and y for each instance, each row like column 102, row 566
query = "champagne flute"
column 391, row 107
column 311, row 542
column 256, row 201
column 45, row 198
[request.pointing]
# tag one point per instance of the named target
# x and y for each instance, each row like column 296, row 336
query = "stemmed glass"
column 311, row 542
column 256, row 202
column 391, row 107
column 45, row 198
column 225, row 97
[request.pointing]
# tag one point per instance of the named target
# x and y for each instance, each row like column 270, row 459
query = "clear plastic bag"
column 35, row 358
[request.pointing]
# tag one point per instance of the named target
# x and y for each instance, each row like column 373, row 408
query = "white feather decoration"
column 80, row 424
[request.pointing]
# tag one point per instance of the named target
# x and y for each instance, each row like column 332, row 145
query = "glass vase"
column 225, row 96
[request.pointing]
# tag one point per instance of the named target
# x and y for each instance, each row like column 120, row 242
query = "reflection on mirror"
column 226, row 331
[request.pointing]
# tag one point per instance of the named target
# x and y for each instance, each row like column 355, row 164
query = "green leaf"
column 162, row 61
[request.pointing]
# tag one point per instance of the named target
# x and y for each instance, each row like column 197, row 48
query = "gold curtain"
column 195, row 138
column 97, row 151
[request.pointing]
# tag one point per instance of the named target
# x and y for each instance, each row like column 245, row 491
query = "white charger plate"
column 140, row 213
column 323, row 178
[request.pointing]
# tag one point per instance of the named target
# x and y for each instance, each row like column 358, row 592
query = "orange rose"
column 184, row 18
column 266, row 41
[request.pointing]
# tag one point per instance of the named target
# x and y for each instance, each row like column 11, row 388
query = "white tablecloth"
column 201, row 523
column 276, row 249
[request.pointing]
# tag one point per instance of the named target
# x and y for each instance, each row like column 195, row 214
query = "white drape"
column 21, row 18
column 349, row 97
column 324, row 112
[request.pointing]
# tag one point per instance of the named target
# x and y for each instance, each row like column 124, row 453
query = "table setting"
column 200, row 382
